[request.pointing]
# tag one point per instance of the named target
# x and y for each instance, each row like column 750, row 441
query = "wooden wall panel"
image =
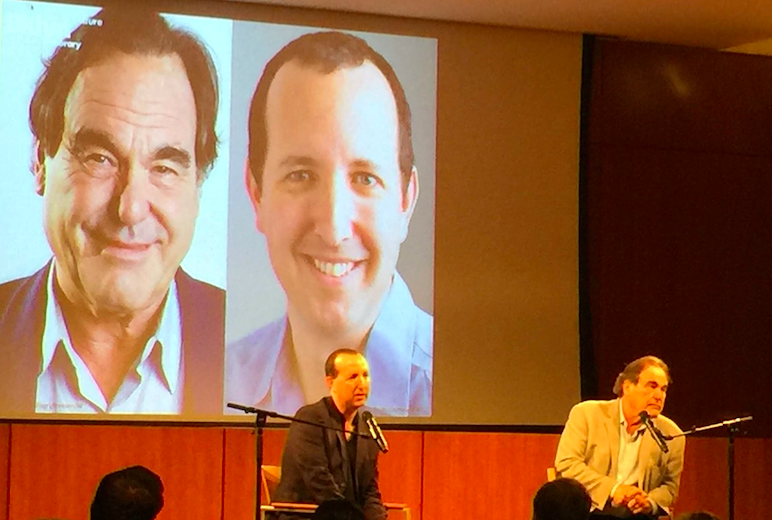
column 5, row 465
column 239, row 468
column 55, row 469
column 753, row 478
column 239, row 474
column 484, row 475
column 401, row 470
column 208, row 472
column 704, row 484
column 704, row 480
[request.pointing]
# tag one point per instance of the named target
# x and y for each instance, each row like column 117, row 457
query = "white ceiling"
column 705, row 23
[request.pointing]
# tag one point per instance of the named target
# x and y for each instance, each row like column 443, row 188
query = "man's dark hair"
column 326, row 52
column 698, row 515
column 134, row 493
column 562, row 499
column 633, row 371
column 330, row 369
column 338, row 509
column 133, row 31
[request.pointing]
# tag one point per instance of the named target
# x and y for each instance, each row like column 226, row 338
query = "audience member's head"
column 134, row 493
column 562, row 499
column 338, row 510
column 698, row 515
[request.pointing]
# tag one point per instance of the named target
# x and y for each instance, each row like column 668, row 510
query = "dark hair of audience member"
column 562, row 499
column 338, row 510
column 134, row 493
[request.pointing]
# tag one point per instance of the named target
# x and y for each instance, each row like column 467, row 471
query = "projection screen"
column 197, row 207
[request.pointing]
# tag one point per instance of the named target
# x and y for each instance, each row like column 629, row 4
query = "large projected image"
column 331, row 215
column 109, row 303
column 152, row 160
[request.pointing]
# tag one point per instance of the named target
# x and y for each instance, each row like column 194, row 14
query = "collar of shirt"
column 338, row 415
column 389, row 352
column 167, row 337
column 623, row 435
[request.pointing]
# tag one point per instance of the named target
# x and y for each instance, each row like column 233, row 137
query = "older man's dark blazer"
column 22, row 320
column 315, row 462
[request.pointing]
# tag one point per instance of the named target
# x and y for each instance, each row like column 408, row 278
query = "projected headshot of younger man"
column 332, row 180
column 123, row 120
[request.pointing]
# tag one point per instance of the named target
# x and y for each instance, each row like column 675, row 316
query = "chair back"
column 270, row 476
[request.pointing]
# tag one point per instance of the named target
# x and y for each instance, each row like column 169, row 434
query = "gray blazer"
column 589, row 448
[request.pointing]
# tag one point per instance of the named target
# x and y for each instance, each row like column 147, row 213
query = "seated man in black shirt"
column 320, row 464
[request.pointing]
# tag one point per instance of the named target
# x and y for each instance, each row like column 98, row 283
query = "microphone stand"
column 732, row 430
column 261, row 417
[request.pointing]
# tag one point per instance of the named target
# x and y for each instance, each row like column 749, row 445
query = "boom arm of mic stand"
column 732, row 424
column 268, row 413
column 729, row 422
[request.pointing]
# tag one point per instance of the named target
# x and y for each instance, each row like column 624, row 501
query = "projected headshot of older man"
column 332, row 180
column 123, row 122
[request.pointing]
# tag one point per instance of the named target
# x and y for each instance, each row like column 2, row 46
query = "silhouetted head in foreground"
column 134, row 493
column 562, row 499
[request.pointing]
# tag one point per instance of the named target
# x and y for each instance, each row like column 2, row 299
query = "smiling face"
column 121, row 192
column 351, row 385
column 648, row 393
column 332, row 204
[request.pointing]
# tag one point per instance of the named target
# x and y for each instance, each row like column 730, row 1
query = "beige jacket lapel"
column 612, row 430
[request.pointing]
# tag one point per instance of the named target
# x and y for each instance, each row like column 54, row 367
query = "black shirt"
column 351, row 492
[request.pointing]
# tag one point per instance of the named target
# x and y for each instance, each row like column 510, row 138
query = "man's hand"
column 640, row 504
column 626, row 495
column 633, row 498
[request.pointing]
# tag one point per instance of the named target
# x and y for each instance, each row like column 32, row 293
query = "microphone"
column 375, row 431
column 245, row 409
column 658, row 436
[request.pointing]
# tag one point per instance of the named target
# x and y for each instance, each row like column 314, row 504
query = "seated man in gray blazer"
column 605, row 446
